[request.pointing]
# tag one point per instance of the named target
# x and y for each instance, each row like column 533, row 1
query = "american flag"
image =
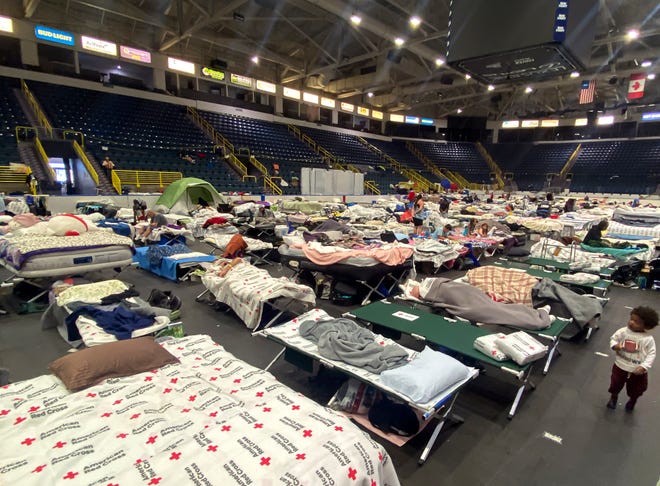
column 587, row 90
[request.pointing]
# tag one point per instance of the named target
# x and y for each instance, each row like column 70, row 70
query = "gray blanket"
column 473, row 304
column 580, row 307
column 343, row 340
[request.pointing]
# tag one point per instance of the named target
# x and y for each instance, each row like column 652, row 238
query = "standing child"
column 635, row 353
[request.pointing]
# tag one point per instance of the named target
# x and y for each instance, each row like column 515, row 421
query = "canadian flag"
column 636, row 86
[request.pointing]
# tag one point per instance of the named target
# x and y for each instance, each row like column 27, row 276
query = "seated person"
column 482, row 231
column 595, row 235
column 446, row 231
column 201, row 203
column 471, row 228
column 156, row 220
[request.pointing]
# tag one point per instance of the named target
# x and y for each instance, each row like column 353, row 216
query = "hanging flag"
column 587, row 90
column 636, row 86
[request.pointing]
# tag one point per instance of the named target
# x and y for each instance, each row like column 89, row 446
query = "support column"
column 29, row 53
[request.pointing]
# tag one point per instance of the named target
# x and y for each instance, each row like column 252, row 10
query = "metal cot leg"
column 436, row 431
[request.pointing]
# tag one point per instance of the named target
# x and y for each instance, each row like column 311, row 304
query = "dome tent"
column 183, row 195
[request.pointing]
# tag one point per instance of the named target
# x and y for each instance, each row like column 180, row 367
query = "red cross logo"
column 34, row 408
column 373, row 483
column 217, row 369
column 117, row 402
column 352, row 473
column 70, row 475
column 339, row 428
column 4, row 412
column 237, row 380
column 265, row 461
column 258, row 426
column 300, row 457
column 148, row 378
column 380, row 457
column 185, row 410
column 295, row 407
column 135, row 415
column 307, row 433
column 38, row 469
column 260, row 394
column 226, row 428
column 122, row 435
column 175, row 456
column 174, row 380
column 151, row 439
column 213, row 414
column 266, row 409
column 59, row 444
column 91, row 395
column 213, row 378
column 106, row 414
column 28, row 441
column 19, row 420
column 233, row 391
column 192, row 398
column 155, row 481
column 212, row 448
column 138, row 461
column 167, row 390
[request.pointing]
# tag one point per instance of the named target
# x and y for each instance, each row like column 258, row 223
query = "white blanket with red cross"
column 245, row 288
column 211, row 419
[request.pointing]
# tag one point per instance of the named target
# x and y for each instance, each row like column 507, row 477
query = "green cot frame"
column 455, row 336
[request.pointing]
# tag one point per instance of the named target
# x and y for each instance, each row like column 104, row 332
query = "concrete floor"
column 598, row 446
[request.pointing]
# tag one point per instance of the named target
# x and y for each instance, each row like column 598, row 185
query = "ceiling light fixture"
column 255, row 59
column 439, row 61
column 460, row 110
column 467, row 76
column 650, row 76
column 356, row 19
column 528, row 89
column 491, row 87
column 632, row 34
column 370, row 94
column 575, row 74
column 415, row 21
column 118, row 66
column 646, row 64
column 399, row 41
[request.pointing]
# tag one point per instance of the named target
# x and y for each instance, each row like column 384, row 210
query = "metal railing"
column 139, row 178
column 491, row 164
column 36, row 108
column 88, row 165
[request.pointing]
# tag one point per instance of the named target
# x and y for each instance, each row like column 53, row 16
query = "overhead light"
column 528, row 89
column 118, row 66
column 632, row 34
column 460, row 110
column 650, row 76
column 439, row 61
column 467, row 76
column 415, row 21
column 575, row 74
column 239, row 17
column 399, row 41
column 491, row 87
column 646, row 64
column 356, row 19
column 255, row 59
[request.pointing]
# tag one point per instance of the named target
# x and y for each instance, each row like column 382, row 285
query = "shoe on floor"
column 630, row 406
column 612, row 404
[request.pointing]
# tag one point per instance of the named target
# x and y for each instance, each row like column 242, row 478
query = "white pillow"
column 425, row 377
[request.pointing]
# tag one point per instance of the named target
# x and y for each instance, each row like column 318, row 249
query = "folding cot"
column 454, row 336
column 175, row 267
column 562, row 267
column 257, row 249
column 599, row 287
column 378, row 279
column 439, row 406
